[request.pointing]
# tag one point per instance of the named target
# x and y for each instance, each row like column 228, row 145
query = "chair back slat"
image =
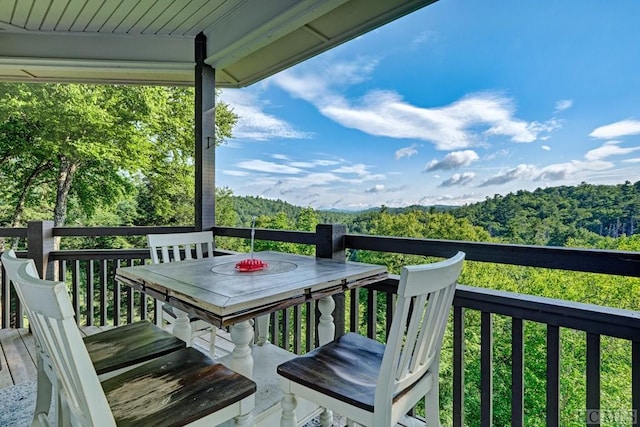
column 53, row 319
column 180, row 246
column 425, row 295
column 411, row 335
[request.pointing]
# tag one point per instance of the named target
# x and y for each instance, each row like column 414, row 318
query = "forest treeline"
column 553, row 216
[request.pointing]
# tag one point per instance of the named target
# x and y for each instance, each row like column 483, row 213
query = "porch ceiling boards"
column 152, row 41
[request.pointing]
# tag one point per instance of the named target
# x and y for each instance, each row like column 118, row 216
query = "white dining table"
column 216, row 291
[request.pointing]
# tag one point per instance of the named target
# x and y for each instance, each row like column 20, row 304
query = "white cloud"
column 545, row 147
column 519, row 172
column 617, row 129
column 358, row 169
column 562, row 105
column 269, row 167
column 497, row 154
column 378, row 188
column 458, row 179
column 235, row 173
column 461, row 124
column 253, row 122
column 561, row 171
column 608, row 149
column 452, row 160
column 553, row 172
column 407, row 151
column 313, row 163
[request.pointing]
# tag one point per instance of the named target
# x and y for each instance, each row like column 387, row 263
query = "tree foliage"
column 68, row 152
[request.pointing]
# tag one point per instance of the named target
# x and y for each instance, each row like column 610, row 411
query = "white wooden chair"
column 375, row 384
column 111, row 351
column 174, row 247
column 177, row 389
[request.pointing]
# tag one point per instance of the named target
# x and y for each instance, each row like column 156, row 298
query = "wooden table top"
column 213, row 289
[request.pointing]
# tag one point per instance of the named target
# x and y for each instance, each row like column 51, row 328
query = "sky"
column 459, row 101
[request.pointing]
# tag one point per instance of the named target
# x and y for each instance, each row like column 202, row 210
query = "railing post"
column 40, row 242
column 330, row 244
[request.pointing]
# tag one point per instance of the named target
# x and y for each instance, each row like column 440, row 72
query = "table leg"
column 262, row 329
column 182, row 326
column 326, row 334
column 326, row 327
column 242, row 336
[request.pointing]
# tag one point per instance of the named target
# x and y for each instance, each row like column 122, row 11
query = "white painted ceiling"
column 152, row 41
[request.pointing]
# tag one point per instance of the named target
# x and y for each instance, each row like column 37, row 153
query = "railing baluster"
column 103, row 292
column 635, row 379
column 486, row 369
column 372, row 298
column 458, row 366
column 354, row 312
column 130, row 300
column 6, row 306
column 286, row 329
column 390, row 306
column 116, row 294
column 517, row 372
column 275, row 327
column 297, row 329
column 311, row 326
column 553, row 375
column 90, row 292
column 75, row 288
column 144, row 306
column 593, row 372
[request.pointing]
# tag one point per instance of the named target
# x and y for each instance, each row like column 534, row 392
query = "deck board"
column 18, row 360
column 5, row 374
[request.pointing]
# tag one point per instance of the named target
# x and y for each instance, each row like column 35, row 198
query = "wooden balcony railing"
column 98, row 299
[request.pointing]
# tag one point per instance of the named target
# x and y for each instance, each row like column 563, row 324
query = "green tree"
column 167, row 187
column 82, row 131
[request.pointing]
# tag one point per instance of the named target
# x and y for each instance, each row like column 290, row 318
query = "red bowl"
column 251, row 264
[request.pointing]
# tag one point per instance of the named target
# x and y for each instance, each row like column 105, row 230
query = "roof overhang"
column 152, row 42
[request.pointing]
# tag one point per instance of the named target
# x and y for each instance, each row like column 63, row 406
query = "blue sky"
column 459, row 101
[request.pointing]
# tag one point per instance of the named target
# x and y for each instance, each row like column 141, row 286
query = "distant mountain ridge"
column 546, row 215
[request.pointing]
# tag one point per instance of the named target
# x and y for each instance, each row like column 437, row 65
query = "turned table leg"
column 326, row 334
column 182, row 326
column 242, row 336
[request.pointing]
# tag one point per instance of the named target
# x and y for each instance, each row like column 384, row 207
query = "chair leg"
column 44, row 390
column 289, row 404
column 243, row 420
column 432, row 405
column 212, row 344
column 159, row 317
column 262, row 329
column 326, row 418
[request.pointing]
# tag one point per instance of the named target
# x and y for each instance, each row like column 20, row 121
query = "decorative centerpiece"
column 251, row 264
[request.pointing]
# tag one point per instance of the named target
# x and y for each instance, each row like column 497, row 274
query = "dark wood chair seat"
column 174, row 389
column 353, row 360
column 129, row 345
